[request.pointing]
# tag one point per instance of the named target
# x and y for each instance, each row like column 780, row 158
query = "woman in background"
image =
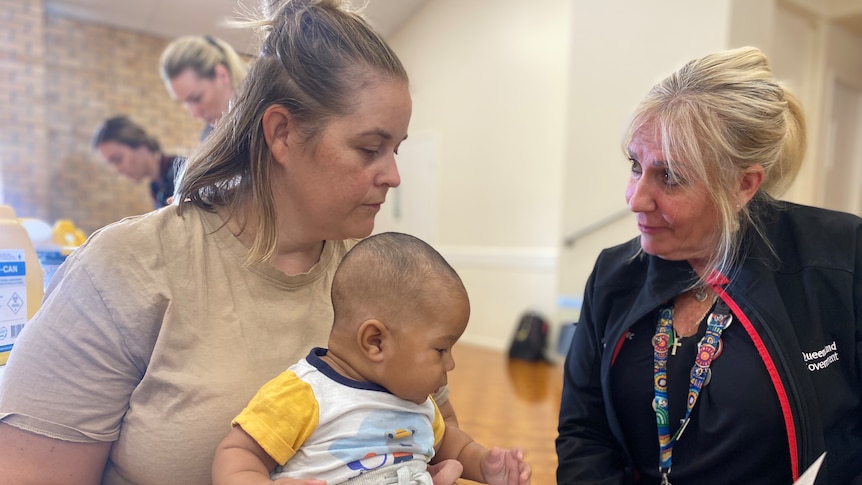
column 724, row 344
column 205, row 74
column 133, row 153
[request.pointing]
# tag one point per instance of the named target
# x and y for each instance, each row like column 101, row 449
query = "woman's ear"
column 221, row 74
column 276, row 124
column 371, row 337
column 749, row 182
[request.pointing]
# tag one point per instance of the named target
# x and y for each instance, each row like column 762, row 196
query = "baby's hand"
column 506, row 467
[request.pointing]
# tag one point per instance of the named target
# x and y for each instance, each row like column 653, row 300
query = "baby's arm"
column 495, row 466
column 445, row 407
column 240, row 460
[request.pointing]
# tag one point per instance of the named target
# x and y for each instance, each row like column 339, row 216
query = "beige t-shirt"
column 155, row 335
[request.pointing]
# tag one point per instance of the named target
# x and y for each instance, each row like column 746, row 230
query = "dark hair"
column 392, row 271
column 122, row 130
column 316, row 57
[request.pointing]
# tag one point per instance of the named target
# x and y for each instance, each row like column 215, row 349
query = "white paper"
column 810, row 474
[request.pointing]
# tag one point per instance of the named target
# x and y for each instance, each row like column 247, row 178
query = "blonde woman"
column 723, row 345
column 203, row 73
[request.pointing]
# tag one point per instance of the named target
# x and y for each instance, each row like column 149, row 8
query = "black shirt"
column 163, row 189
column 736, row 434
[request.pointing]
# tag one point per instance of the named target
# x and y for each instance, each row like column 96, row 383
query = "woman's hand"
column 447, row 472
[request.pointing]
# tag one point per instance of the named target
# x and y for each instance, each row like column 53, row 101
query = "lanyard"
column 718, row 320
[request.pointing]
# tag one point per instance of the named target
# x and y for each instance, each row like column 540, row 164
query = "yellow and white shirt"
column 319, row 424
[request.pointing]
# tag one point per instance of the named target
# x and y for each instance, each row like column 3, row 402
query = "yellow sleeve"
column 281, row 416
column 439, row 426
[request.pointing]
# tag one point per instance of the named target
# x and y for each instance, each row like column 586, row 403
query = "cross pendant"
column 677, row 343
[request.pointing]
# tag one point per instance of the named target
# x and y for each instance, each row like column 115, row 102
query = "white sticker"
column 13, row 296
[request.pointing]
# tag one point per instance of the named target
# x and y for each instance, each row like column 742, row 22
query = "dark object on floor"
column 531, row 338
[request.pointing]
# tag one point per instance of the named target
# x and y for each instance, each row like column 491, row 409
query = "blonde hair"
column 722, row 114
column 316, row 56
column 202, row 54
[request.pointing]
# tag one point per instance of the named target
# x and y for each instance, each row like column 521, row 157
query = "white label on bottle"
column 13, row 296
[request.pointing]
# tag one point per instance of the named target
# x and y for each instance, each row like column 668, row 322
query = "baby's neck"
column 342, row 367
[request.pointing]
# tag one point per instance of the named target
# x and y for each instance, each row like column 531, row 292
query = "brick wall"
column 23, row 134
column 60, row 78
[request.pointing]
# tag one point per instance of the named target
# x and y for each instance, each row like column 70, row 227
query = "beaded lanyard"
column 718, row 320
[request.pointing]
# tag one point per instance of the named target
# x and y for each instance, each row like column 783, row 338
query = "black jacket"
column 794, row 301
column 163, row 189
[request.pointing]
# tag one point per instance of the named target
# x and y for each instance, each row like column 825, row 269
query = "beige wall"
column 812, row 55
column 523, row 104
column 621, row 49
column 504, row 201
column 490, row 86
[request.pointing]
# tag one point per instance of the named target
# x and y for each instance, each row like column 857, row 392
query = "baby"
column 362, row 409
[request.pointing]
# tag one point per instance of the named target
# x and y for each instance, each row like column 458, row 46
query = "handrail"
column 569, row 241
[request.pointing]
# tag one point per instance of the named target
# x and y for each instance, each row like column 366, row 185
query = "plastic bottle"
column 51, row 254
column 67, row 235
column 20, row 280
column 7, row 212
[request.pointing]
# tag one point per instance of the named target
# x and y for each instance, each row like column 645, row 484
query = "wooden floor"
column 509, row 404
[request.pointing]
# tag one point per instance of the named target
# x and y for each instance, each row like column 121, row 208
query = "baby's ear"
column 370, row 337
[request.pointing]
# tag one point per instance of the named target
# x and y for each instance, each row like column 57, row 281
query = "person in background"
column 133, row 153
column 723, row 345
column 163, row 324
column 361, row 409
column 203, row 73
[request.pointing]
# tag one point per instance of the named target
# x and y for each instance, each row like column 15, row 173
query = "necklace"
column 700, row 293
column 677, row 337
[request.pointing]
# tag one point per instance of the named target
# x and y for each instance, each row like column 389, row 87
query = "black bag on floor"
column 531, row 339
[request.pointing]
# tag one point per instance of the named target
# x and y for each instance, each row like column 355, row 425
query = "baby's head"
column 399, row 308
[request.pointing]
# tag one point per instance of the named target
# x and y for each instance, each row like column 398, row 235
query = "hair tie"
column 211, row 40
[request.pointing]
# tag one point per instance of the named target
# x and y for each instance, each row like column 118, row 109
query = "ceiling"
column 172, row 18
column 847, row 13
